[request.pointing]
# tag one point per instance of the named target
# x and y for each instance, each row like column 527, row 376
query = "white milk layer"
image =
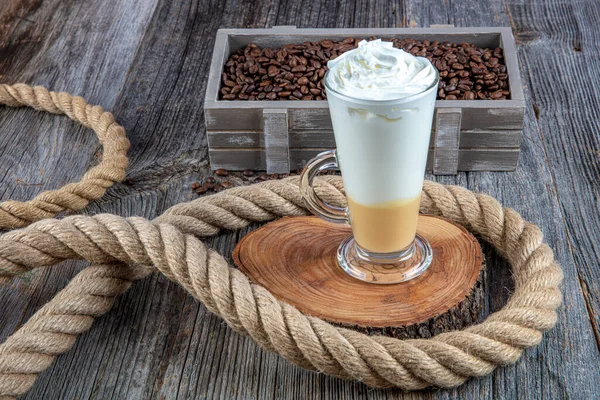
column 382, row 146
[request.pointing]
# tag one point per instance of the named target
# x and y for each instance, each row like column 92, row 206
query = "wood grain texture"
column 323, row 138
column 277, row 141
column 148, row 61
column 468, row 159
column 296, row 259
column 446, row 141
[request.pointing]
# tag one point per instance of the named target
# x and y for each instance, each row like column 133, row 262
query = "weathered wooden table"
column 147, row 61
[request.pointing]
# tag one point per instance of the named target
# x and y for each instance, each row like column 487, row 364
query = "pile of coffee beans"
column 295, row 71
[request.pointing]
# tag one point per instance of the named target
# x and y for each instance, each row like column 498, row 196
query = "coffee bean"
column 222, row 172
column 218, row 188
column 273, row 176
column 227, row 184
column 496, row 95
column 451, row 97
column 201, row 190
column 295, row 71
column 248, row 172
column 195, row 185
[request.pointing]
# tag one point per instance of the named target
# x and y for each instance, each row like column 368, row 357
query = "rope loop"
column 122, row 250
column 93, row 185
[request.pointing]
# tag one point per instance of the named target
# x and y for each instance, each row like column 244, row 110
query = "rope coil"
column 125, row 249
column 93, row 185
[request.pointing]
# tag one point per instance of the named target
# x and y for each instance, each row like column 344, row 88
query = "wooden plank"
column 235, row 117
column 487, row 117
column 306, row 115
column 468, row 159
column 481, row 37
column 277, row 142
column 321, row 138
column 221, row 52
column 313, row 118
column 490, row 138
column 445, row 141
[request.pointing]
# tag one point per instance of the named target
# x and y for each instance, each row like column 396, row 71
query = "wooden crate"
column 467, row 135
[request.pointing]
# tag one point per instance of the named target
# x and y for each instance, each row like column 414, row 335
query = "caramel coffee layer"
column 385, row 227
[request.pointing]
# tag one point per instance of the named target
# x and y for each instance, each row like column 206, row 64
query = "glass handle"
column 322, row 162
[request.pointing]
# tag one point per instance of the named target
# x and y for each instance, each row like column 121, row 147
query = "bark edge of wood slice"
column 295, row 259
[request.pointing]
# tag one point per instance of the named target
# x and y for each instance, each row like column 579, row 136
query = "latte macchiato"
column 381, row 100
column 381, row 139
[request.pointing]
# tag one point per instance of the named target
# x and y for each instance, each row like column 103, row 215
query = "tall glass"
column 382, row 148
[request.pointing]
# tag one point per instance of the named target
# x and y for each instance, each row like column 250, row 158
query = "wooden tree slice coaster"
column 295, row 259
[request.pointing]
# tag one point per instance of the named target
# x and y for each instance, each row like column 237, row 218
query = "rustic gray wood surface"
column 147, row 60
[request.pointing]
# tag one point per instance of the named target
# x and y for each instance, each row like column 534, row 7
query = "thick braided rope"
column 93, row 185
column 169, row 244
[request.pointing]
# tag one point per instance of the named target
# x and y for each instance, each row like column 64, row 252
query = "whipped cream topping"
column 376, row 70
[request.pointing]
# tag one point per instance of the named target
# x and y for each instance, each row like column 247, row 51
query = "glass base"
column 385, row 268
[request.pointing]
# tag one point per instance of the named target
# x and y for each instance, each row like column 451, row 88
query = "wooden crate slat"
column 236, row 117
column 468, row 159
column 491, row 118
column 445, row 141
column 481, row 37
column 277, row 144
column 484, row 139
column 314, row 138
